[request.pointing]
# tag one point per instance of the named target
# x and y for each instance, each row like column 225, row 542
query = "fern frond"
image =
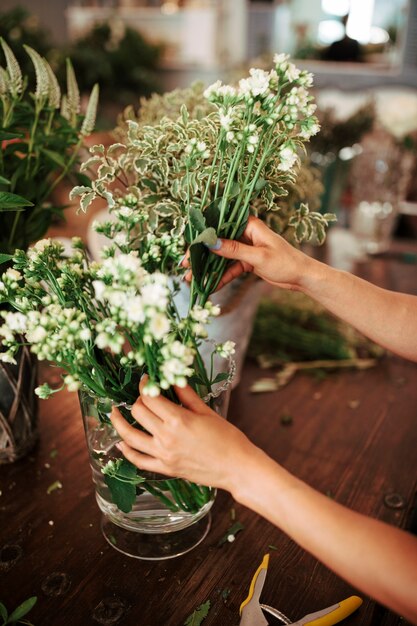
column 90, row 115
column 15, row 82
column 73, row 94
column 42, row 78
column 54, row 92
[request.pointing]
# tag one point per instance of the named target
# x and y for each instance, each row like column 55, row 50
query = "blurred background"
column 363, row 54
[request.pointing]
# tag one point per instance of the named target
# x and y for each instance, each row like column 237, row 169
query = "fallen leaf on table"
column 199, row 615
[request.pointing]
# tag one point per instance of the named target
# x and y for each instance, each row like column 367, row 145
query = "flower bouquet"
column 198, row 177
column 41, row 135
column 105, row 324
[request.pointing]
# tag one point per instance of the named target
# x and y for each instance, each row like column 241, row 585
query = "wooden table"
column 353, row 436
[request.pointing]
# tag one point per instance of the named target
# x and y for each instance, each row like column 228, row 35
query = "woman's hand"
column 264, row 253
column 189, row 441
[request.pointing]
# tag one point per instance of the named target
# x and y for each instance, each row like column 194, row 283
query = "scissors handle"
column 332, row 615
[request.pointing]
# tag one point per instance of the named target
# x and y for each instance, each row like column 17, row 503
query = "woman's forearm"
column 377, row 559
column 386, row 317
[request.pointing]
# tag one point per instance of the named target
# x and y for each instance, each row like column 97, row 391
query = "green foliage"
column 40, row 146
column 199, row 615
column 291, row 327
column 16, row 616
column 336, row 134
column 119, row 59
column 19, row 27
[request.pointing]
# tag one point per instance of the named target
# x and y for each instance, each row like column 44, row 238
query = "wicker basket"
column 18, row 407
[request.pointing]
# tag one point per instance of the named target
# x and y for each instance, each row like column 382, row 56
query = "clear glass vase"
column 169, row 517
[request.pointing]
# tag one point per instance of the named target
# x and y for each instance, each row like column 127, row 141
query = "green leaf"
column 184, row 114
column 208, row 237
column 12, row 202
column 5, row 257
column 123, row 494
column 6, row 136
column 260, row 184
column 22, row 609
column 150, row 184
column 199, row 615
column 197, row 220
column 3, row 612
column 199, row 254
column 212, row 213
column 4, row 181
column 152, row 199
column 55, row 157
column 220, row 377
column 234, row 190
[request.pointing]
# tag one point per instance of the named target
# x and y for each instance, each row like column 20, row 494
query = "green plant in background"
column 292, row 327
column 18, row 27
column 16, row 617
column 41, row 135
column 119, row 59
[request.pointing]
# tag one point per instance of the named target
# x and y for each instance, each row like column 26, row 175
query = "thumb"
column 232, row 249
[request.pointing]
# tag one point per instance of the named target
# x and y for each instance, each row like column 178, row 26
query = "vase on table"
column 168, row 517
column 18, row 406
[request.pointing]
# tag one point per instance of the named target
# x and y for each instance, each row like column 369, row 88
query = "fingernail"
column 215, row 246
column 119, row 446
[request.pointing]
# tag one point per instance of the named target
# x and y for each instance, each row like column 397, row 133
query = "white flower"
column 43, row 391
column 226, row 349
column 121, row 239
column 281, row 59
column 72, row 383
column 288, row 158
column 212, row 89
column 85, row 334
column 99, row 289
column 6, row 357
column 151, row 389
column 134, row 310
column 225, row 120
column 36, row 334
column 230, row 136
column 16, row 322
column 155, row 295
column 159, row 326
column 41, row 245
column 257, row 84
column 124, row 211
column 13, row 275
column 292, row 73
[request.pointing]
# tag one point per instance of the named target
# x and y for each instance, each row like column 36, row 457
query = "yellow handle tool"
column 332, row 615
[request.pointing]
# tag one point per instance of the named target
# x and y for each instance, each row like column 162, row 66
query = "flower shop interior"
column 195, row 430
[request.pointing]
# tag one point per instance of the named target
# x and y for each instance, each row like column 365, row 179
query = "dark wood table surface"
column 353, row 436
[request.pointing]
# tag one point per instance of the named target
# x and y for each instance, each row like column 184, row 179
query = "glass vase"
column 18, row 407
column 169, row 517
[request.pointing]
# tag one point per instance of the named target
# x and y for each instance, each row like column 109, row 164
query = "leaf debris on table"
column 198, row 616
column 231, row 533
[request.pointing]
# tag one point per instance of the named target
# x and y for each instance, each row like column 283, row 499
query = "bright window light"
column 360, row 20
column 330, row 31
column 335, row 7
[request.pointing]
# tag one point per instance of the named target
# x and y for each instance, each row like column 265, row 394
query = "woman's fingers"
column 190, row 400
column 233, row 272
column 133, row 437
column 141, row 460
column 160, row 406
column 145, row 417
